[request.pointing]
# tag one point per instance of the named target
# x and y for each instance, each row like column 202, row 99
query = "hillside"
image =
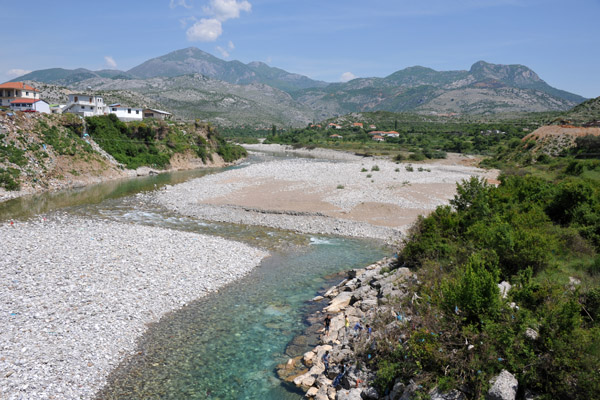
column 194, row 84
column 40, row 152
column 585, row 112
column 485, row 89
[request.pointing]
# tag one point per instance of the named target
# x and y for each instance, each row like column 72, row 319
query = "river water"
column 225, row 345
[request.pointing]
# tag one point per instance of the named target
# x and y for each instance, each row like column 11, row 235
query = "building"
column 10, row 91
column 126, row 114
column 357, row 125
column 336, row 136
column 157, row 114
column 30, row 105
column 57, row 108
column 85, row 105
column 378, row 138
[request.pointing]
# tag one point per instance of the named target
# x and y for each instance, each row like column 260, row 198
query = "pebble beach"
column 76, row 295
column 334, row 193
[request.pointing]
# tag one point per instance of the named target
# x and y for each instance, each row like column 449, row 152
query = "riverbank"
column 180, row 162
column 334, row 193
column 77, row 294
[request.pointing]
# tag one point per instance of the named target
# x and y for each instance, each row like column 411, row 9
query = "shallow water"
column 226, row 345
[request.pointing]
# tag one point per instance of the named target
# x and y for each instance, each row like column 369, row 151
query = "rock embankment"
column 76, row 294
column 364, row 311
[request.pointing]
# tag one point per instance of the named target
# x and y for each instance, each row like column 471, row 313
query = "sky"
column 329, row 40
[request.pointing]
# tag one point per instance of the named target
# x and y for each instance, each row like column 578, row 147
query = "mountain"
column 485, row 88
column 66, row 77
column 195, row 61
column 196, row 96
column 234, row 93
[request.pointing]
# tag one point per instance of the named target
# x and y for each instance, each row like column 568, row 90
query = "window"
column 114, row 109
column 75, row 99
column 137, row 111
column 129, row 111
column 26, row 93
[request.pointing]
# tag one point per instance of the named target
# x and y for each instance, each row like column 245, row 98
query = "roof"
column 17, row 85
column 25, row 101
column 158, row 111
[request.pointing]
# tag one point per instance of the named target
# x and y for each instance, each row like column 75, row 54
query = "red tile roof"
column 17, row 85
column 25, row 101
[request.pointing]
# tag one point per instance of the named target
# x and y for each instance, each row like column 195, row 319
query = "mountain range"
column 194, row 84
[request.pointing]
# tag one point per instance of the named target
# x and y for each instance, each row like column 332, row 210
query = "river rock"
column 504, row 387
column 370, row 393
column 340, row 302
column 312, row 392
column 451, row 395
column 352, row 394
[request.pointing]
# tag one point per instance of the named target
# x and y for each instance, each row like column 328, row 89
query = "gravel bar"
column 344, row 185
column 77, row 294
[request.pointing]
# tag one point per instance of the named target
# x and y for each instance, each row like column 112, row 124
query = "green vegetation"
column 538, row 231
column 153, row 143
column 8, row 178
column 423, row 137
column 64, row 140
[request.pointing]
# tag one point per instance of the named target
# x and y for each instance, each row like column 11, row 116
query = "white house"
column 30, row 105
column 10, row 91
column 85, row 105
column 158, row 114
column 126, row 114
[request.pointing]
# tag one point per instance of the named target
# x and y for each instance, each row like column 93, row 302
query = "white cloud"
column 230, row 45
column 17, row 72
column 205, row 30
column 224, row 53
column 227, row 9
column 347, row 76
column 110, row 62
column 182, row 3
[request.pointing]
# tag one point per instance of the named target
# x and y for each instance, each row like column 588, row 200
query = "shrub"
column 474, row 293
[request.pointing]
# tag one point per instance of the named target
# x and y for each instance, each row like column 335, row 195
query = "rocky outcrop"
column 352, row 304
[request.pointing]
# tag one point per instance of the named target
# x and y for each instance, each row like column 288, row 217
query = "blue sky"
column 327, row 40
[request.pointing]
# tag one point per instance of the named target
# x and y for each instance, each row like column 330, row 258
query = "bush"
column 473, row 293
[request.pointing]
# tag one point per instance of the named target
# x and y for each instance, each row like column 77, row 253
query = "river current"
column 228, row 344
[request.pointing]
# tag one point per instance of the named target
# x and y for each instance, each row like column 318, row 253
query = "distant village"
column 19, row 96
column 378, row 136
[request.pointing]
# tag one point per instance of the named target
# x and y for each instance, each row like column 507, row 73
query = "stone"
column 370, row 393
column 504, row 387
column 312, row 392
column 340, row 302
column 451, row 395
column 352, row 394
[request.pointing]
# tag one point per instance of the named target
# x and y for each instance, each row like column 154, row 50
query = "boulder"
column 339, row 302
column 504, row 387
column 370, row 393
column 352, row 394
column 451, row 395
column 312, row 392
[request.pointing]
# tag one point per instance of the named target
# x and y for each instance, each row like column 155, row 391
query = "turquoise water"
column 227, row 346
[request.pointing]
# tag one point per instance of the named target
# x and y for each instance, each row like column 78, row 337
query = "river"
column 226, row 345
